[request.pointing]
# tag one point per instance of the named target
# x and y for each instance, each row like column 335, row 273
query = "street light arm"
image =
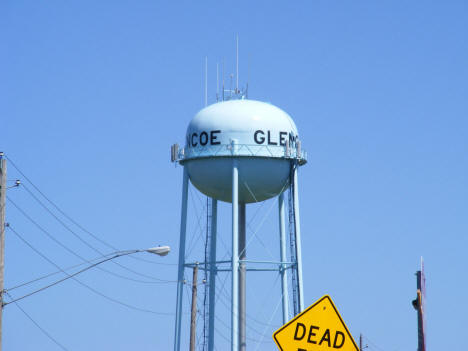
column 117, row 254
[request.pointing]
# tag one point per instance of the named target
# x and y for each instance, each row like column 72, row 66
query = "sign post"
column 318, row 328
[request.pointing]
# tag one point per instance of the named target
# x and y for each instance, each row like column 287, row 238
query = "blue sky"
column 94, row 93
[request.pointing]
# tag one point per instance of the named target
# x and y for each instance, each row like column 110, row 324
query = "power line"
column 373, row 345
column 71, row 275
column 86, row 285
column 60, row 221
column 157, row 280
column 49, row 275
column 55, row 206
column 71, row 219
column 37, row 324
column 84, row 241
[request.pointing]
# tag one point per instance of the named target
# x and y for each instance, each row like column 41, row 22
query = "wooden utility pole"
column 418, row 305
column 193, row 317
column 3, row 176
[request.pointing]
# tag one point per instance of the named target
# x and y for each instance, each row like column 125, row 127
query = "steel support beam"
column 213, row 273
column 180, row 274
column 283, row 267
column 298, row 240
column 235, row 258
column 242, row 278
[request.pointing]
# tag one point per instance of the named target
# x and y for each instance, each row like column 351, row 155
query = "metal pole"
column 235, row 257
column 206, row 81
column 360, row 342
column 193, row 315
column 212, row 281
column 298, row 241
column 237, row 64
column 180, row 275
column 3, row 176
column 419, row 308
column 242, row 278
column 283, row 272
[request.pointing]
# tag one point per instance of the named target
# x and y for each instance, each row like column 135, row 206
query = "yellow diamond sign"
column 319, row 328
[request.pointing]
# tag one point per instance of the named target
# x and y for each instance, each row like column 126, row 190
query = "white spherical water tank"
column 260, row 137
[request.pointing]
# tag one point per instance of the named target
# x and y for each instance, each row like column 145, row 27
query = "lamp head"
column 159, row 250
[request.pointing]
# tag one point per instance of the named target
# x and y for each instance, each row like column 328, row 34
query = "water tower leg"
column 298, row 241
column 235, row 257
column 212, row 281
column 180, row 275
column 242, row 279
column 283, row 271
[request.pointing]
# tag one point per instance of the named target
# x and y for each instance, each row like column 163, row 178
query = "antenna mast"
column 206, row 81
column 237, row 64
column 223, row 79
column 217, row 81
column 248, row 77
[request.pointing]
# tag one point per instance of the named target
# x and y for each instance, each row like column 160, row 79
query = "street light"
column 157, row 250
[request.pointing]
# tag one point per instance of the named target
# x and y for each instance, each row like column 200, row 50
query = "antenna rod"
column 217, row 81
column 223, row 79
column 206, row 81
column 248, row 77
column 237, row 64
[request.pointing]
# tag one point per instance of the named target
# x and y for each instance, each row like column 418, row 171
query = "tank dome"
column 262, row 138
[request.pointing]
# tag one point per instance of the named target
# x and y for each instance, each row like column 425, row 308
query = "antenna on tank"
column 223, row 79
column 206, row 81
column 237, row 64
column 217, row 81
column 248, row 77
column 230, row 86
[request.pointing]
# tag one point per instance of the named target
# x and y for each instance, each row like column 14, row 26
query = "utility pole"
column 193, row 317
column 3, row 176
column 361, row 345
column 419, row 306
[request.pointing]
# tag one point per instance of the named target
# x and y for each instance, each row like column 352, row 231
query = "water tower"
column 240, row 152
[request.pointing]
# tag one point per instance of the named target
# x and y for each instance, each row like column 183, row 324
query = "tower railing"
column 242, row 150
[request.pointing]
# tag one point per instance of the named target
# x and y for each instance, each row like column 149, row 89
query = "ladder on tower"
column 292, row 242
column 206, row 297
